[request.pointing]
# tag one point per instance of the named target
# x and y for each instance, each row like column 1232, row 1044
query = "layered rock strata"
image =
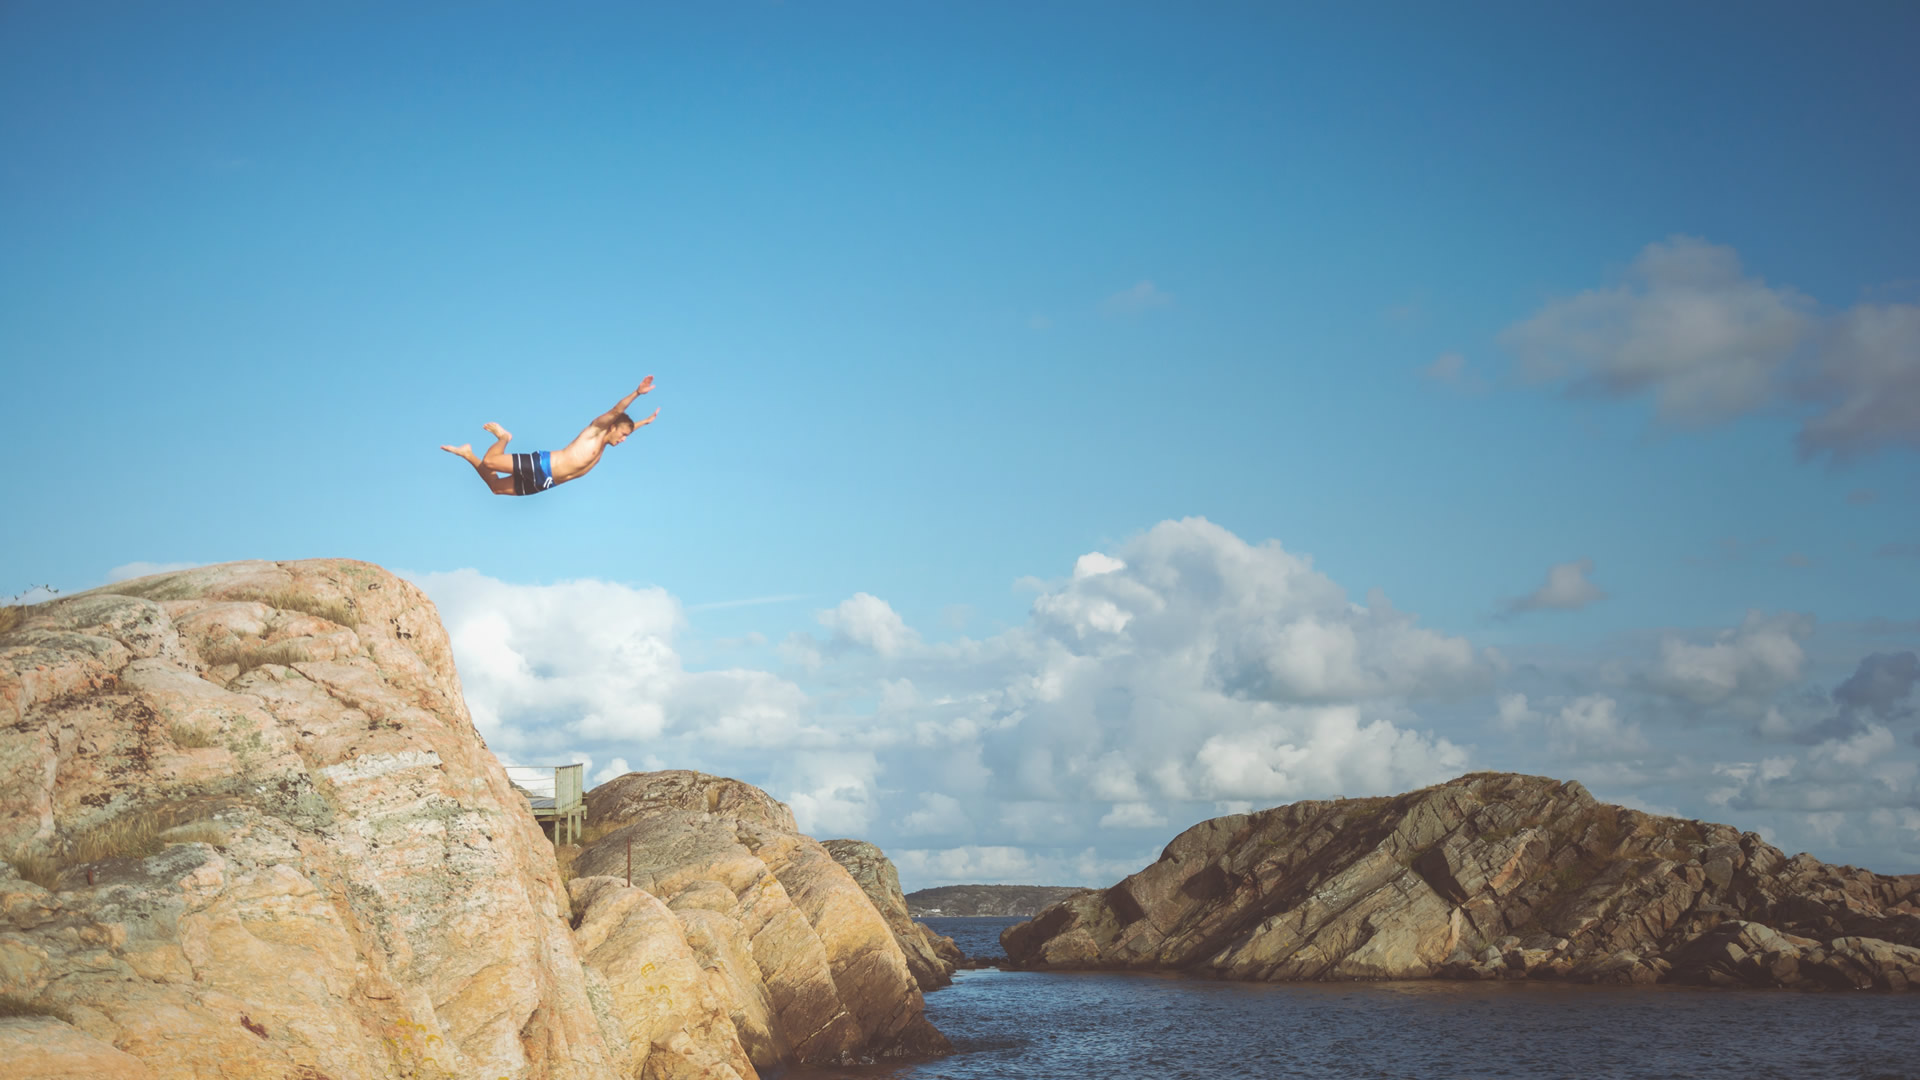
column 250, row 831
column 1490, row 875
column 808, row 968
column 931, row 957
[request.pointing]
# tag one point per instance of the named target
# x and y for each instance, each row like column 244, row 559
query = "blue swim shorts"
column 532, row 473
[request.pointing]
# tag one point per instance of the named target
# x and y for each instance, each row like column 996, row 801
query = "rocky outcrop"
column 931, row 957
column 809, row 970
column 996, row 900
column 1488, row 876
column 251, row 832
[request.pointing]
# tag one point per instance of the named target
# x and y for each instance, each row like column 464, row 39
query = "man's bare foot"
column 497, row 432
column 464, row 450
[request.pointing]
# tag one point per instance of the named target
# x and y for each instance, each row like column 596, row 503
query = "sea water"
column 1014, row 1025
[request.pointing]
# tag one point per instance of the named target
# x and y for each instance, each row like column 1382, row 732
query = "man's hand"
column 647, row 421
column 646, row 384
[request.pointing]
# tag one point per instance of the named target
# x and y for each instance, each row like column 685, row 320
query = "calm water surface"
column 1019, row 1025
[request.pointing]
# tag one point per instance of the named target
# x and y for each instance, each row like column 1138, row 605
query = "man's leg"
column 499, row 485
column 497, row 458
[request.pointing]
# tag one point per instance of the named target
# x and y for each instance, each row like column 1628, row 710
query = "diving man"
column 529, row 474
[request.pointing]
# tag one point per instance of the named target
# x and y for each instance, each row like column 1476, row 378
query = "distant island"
column 972, row 900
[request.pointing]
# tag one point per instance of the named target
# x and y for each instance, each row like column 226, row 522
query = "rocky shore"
column 1487, row 876
column 249, row 831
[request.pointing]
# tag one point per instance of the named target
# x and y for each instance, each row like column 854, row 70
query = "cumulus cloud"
column 1566, row 589
column 1858, row 772
column 1689, row 327
column 866, row 621
column 1587, row 728
column 1761, row 655
column 1181, row 669
column 1686, row 324
column 1880, row 690
column 549, row 665
column 1867, row 380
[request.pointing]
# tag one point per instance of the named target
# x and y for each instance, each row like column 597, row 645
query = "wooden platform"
column 557, row 796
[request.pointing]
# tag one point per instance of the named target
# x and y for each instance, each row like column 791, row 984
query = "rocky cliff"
column 1488, row 876
column 932, row 957
column 808, row 969
column 251, row 832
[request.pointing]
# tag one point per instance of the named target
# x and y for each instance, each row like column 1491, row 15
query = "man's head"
column 618, row 431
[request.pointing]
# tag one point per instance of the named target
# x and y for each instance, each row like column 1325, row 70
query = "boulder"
column 1488, row 876
column 931, row 957
column 811, row 970
column 251, row 832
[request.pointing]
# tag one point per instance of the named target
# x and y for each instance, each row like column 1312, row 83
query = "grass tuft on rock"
column 249, row 655
column 10, row 617
column 334, row 611
column 164, row 587
column 130, row 836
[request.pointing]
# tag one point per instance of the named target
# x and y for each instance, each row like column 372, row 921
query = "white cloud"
column 938, row 813
column 1708, row 342
column 867, row 621
column 1566, row 589
column 1868, row 378
column 1137, row 299
column 1686, row 325
column 831, row 793
column 1857, row 773
column 1587, row 729
column 1181, row 668
column 544, row 665
column 1756, row 658
column 1133, row 815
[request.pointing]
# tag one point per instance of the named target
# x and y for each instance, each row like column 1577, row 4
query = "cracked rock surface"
column 808, row 968
column 269, row 843
column 1491, row 875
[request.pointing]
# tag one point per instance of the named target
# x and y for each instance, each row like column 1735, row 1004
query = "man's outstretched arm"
column 605, row 419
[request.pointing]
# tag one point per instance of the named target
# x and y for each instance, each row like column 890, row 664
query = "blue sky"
column 943, row 298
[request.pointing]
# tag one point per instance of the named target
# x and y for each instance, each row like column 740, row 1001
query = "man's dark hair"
column 622, row 418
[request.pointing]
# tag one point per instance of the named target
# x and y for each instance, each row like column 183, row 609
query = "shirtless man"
column 529, row 474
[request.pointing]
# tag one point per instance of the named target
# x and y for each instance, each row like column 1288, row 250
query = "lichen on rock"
column 266, row 843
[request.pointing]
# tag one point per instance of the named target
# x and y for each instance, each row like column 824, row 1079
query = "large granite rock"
column 1488, row 876
column 809, row 968
column 265, row 841
column 932, row 957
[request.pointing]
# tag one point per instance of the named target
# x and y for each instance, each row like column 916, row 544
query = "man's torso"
column 578, row 457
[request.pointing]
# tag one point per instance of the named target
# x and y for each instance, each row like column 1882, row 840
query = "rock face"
column 1488, row 876
column 977, row 900
column 932, row 957
column 264, row 840
column 808, row 969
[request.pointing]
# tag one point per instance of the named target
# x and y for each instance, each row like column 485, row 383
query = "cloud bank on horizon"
column 1183, row 674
